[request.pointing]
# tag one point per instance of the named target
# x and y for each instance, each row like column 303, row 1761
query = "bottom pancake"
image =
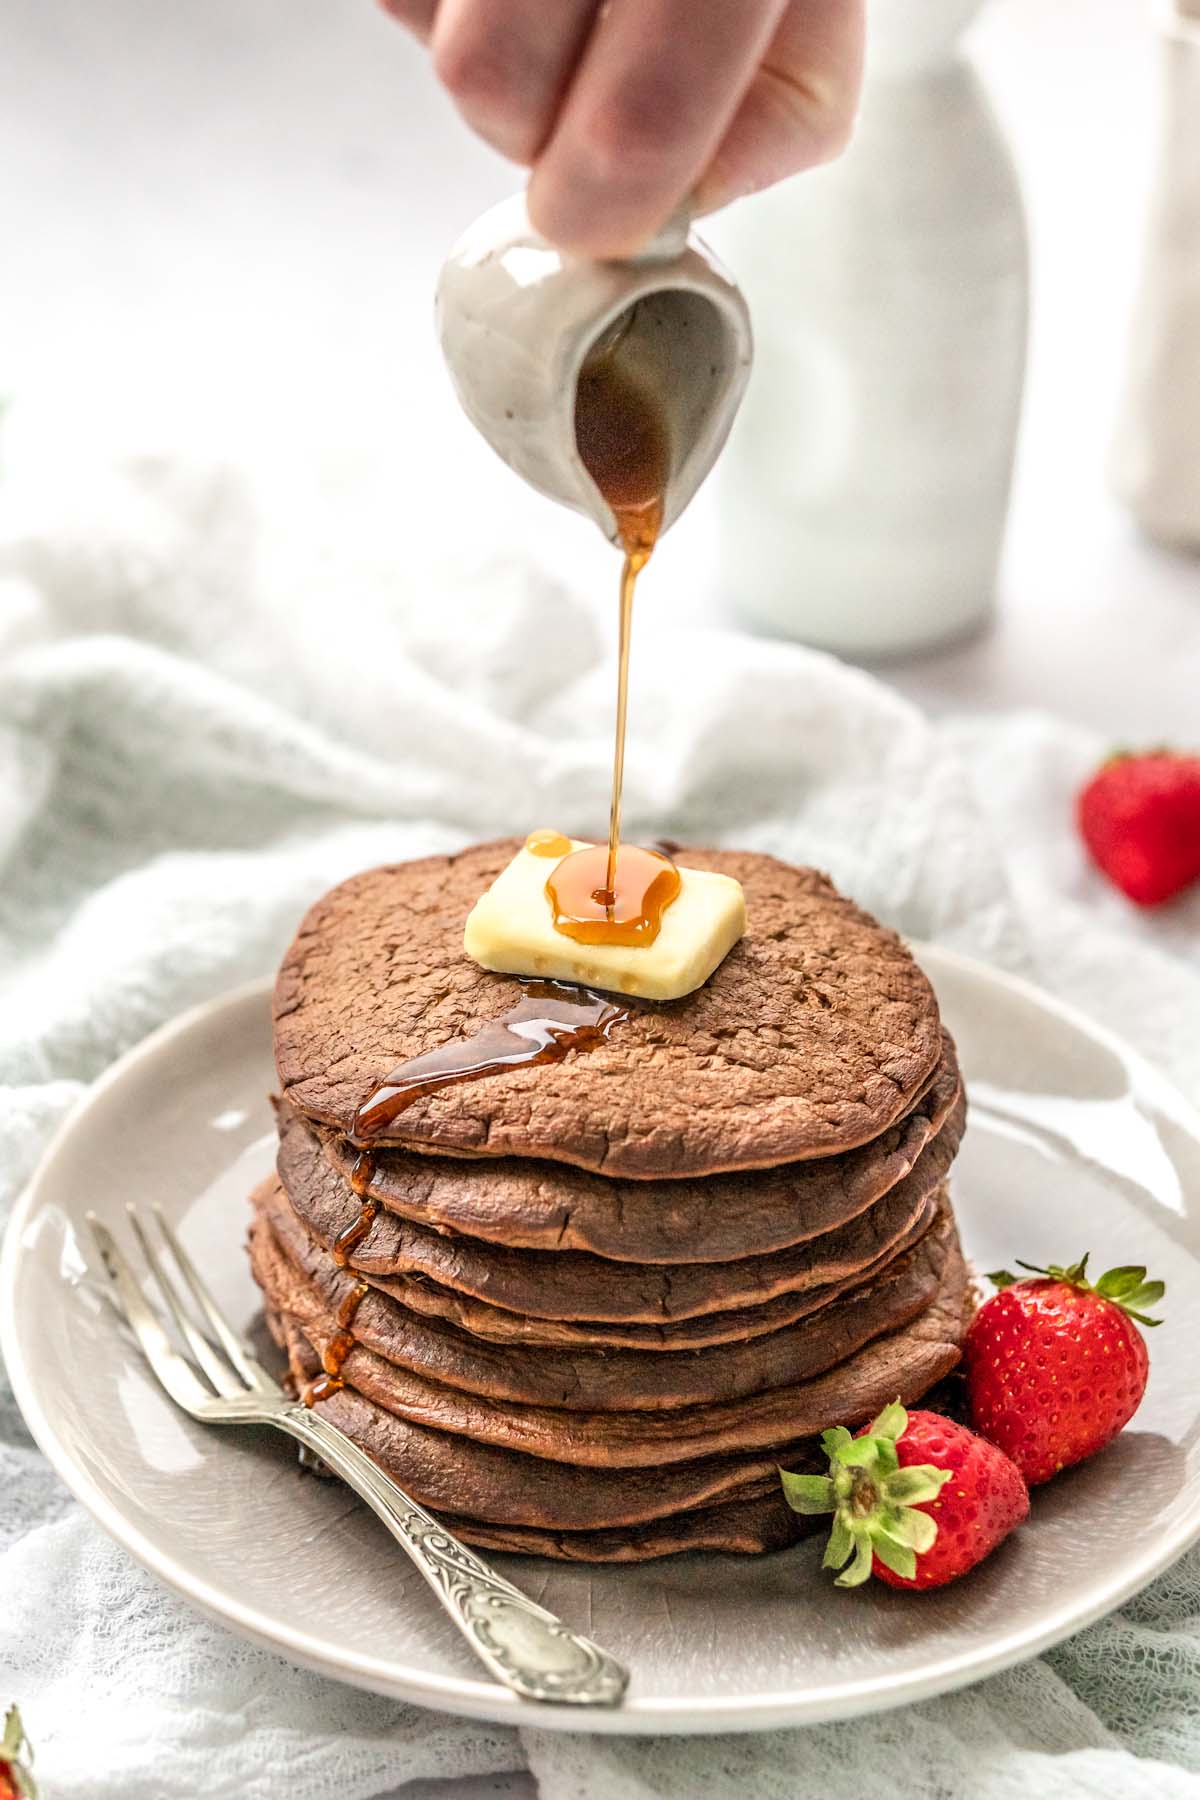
column 742, row 1528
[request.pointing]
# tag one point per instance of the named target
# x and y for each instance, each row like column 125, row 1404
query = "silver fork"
column 221, row 1382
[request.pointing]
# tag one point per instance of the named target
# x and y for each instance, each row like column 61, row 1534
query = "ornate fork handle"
column 525, row 1646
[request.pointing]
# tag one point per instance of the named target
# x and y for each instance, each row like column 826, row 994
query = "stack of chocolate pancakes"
column 585, row 1307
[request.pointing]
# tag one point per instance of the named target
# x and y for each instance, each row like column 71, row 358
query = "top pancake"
column 814, row 1036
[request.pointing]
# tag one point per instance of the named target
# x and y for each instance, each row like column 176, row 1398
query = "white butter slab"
column 511, row 931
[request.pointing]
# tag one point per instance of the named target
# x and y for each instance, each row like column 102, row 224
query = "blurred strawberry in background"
column 1139, row 816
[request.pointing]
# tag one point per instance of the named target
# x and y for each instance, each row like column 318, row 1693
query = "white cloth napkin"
column 205, row 719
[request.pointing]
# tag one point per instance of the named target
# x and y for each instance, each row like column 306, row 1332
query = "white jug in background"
column 1156, row 451
column 865, row 487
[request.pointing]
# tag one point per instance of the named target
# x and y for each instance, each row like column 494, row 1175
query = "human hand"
column 624, row 108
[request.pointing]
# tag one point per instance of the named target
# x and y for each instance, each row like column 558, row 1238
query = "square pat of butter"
column 511, row 930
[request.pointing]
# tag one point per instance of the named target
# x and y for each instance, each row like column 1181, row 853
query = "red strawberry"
column 1056, row 1367
column 915, row 1498
column 1140, row 818
column 16, row 1754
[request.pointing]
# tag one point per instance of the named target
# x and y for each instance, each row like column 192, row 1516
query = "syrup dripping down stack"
column 584, row 1307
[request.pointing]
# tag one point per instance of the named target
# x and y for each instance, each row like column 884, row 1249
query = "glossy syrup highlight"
column 550, row 1019
column 630, row 911
column 330, row 1380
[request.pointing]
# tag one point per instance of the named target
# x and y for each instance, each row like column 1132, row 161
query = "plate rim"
column 486, row 1700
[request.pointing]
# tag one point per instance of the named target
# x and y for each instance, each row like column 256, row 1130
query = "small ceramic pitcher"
column 517, row 318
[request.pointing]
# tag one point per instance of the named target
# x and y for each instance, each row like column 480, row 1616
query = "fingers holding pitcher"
column 655, row 90
column 508, row 66
column 799, row 110
column 626, row 108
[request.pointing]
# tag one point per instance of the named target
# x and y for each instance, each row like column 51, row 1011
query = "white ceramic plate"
column 1074, row 1144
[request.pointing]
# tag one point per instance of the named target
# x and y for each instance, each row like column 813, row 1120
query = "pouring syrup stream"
column 622, row 439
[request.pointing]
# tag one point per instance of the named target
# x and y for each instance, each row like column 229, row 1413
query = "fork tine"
column 175, row 1374
column 223, row 1378
column 239, row 1353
